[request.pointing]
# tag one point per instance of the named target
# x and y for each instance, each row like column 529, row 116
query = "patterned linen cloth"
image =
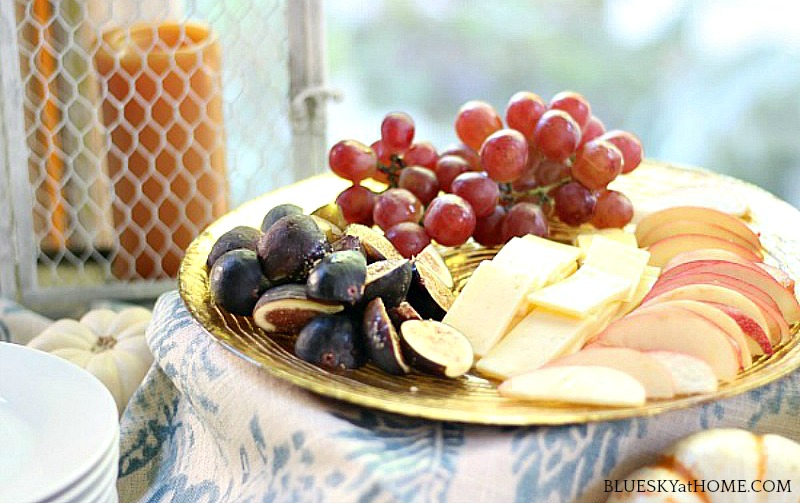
column 207, row 426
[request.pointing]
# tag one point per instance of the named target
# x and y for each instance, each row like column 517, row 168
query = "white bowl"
column 58, row 423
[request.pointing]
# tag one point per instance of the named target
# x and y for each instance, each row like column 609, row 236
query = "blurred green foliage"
column 734, row 109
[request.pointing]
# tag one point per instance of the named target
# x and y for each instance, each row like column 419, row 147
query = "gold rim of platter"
column 471, row 398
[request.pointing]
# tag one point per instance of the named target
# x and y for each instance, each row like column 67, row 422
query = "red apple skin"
column 749, row 326
column 675, row 329
column 776, row 326
column 749, row 273
column 690, row 277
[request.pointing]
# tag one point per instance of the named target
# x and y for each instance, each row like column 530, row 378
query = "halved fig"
column 339, row 277
column 382, row 341
column 435, row 348
column 332, row 342
column 332, row 233
column 375, row 244
column 286, row 309
column 402, row 312
column 279, row 212
column 431, row 257
column 348, row 242
column 240, row 237
column 388, row 279
column 290, row 247
column 428, row 293
column 332, row 213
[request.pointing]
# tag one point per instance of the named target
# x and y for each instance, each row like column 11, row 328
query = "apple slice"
column 757, row 339
column 780, row 276
column 749, row 273
column 656, row 379
column 690, row 375
column 679, row 278
column 663, row 251
column 773, row 322
column 586, row 385
column 672, row 328
column 705, row 254
column 678, row 227
column 721, row 320
column 697, row 213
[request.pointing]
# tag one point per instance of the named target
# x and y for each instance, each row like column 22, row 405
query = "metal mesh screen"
column 137, row 124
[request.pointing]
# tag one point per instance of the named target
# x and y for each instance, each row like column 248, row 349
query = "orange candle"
column 162, row 108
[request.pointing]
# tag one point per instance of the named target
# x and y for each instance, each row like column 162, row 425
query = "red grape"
column 394, row 206
column 629, row 145
column 397, row 132
column 409, row 238
column 593, row 129
column 419, row 181
column 421, row 154
column 448, row 168
column 550, row 172
column 480, row 191
column 574, row 104
column 613, row 209
column 449, row 220
column 357, row 203
column 384, row 159
column 574, row 203
column 523, row 112
column 557, row 135
column 475, row 121
column 524, row 218
column 489, row 230
column 352, row 160
column 466, row 153
column 597, row 164
column 526, row 181
column 504, row 155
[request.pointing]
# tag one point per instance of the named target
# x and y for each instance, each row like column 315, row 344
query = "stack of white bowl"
column 59, row 431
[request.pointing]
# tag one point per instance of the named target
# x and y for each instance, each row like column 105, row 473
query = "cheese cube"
column 487, row 306
column 616, row 258
column 584, row 292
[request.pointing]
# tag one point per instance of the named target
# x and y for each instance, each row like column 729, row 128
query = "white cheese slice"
column 584, row 292
column 616, row 258
column 581, row 385
column 487, row 306
column 544, row 261
column 540, row 337
column 584, row 240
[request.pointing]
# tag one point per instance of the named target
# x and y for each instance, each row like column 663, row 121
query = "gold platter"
column 472, row 399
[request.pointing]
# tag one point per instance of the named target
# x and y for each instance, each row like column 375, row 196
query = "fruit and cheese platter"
column 541, row 272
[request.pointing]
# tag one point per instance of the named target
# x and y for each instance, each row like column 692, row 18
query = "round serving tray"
column 471, row 398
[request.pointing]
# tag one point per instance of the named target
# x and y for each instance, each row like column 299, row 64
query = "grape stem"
column 392, row 171
column 508, row 196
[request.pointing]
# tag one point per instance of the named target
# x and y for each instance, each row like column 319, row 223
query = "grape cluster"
column 551, row 159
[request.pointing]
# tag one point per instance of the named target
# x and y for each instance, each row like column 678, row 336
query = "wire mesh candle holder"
column 162, row 110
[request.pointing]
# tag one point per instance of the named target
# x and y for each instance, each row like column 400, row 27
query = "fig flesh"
column 428, row 293
column 435, row 348
column 286, row 309
column 389, row 280
column 375, row 244
column 381, row 339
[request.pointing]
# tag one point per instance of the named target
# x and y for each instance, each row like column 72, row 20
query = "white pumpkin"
column 108, row 344
column 716, row 455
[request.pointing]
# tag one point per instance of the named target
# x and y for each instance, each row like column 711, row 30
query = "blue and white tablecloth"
column 206, row 426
